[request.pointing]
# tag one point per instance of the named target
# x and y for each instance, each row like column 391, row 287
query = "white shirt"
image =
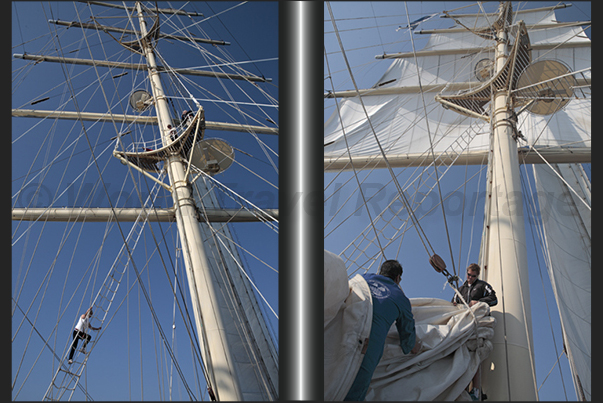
column 82, row 324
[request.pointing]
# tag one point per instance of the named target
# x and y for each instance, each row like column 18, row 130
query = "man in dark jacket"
column 475, row 290
column 389, row 305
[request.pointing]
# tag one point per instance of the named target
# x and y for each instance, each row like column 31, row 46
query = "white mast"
column 209, row 320
column 508, row 373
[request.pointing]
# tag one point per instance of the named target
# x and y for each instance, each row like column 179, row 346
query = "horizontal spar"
column 137, row 66
column 427, row 88
column 553, row 156
column 529, row 26
column 131, row 214
column 106, row 117
column 467, row 51
column 159, row 10
column 132, row 32
column 408, row 89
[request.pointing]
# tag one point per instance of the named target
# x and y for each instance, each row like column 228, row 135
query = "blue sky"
column 419, row 279
column 71, row 253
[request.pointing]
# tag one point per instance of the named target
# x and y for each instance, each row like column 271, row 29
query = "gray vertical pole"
column 301, row 200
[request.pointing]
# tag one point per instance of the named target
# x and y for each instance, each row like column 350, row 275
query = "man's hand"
column 417, row 347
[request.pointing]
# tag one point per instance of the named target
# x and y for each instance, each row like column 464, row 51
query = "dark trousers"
column 76, row 336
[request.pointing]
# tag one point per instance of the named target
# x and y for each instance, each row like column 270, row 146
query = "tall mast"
column 210, row 323
column 508, row 374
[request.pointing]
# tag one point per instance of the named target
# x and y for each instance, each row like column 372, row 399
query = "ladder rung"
column 68, row 372
column 102, row 296
column 108, row 287
column 101, row 308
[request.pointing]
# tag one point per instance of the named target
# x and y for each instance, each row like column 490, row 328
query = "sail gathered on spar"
column 454, row 342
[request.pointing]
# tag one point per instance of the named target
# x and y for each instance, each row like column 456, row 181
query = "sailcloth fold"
column 455, row 341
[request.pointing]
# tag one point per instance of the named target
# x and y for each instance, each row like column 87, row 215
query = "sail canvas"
column 391, row 147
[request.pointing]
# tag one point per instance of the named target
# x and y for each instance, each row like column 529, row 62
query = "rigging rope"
column 245, row 116
column 95, row 159
column 121, row 232
column 349, row 153
column 540, row 231
column 420, row 232
column 431, row 143
column 217, row 234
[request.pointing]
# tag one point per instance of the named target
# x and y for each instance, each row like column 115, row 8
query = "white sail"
column 566, row 222
column 256, row 358
column 449, row 61
column 399, row 123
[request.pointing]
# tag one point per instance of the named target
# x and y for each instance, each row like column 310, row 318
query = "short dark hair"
column 474, row 267
column 391, row 269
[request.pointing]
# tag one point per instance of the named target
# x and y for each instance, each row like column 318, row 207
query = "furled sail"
column 455, row 341
column 566, row 223
column 407, row 121
column 247, row 336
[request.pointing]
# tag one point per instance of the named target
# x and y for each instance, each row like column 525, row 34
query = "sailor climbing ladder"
column 67, row 376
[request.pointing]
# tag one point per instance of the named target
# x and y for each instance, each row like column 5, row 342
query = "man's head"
column 473, row 272
column 392, row 269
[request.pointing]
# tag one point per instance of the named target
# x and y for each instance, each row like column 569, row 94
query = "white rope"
column 560, row 177
column 431, row 144
column 551, row 370
column 420, row 232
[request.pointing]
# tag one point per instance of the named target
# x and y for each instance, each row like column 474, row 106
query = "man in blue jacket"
column 389, row 305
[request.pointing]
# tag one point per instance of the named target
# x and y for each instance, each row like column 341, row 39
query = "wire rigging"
column 422, row 236
column 98, row 156
column 431, row 144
